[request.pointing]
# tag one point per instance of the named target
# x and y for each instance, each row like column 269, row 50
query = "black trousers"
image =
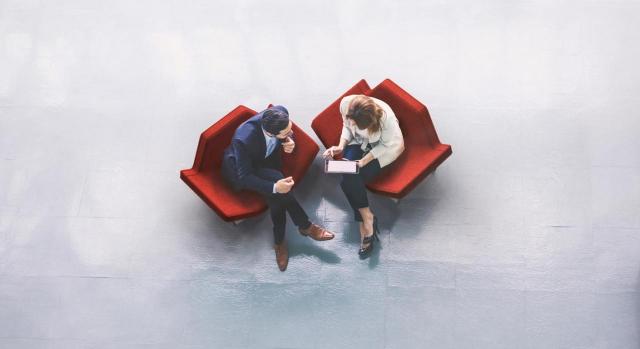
column 353, row 185
column 280, row 204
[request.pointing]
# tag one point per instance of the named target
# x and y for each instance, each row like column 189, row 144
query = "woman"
column 372, row 137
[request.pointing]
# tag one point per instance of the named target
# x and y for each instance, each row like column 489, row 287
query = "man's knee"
column 286, row 197
column 281, row 197
column 269, row 174
column 275, row 201
column 276, row 174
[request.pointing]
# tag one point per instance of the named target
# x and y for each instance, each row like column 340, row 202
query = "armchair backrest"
column 328, row 124
column 216, row 138
column 413, row 116
column 305, row 147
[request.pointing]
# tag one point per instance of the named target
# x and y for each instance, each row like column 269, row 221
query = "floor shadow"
column 374, row 258
column 311, row 192
column 351, row 234
column 382, row 206
column 296, row 249
column 388, row 211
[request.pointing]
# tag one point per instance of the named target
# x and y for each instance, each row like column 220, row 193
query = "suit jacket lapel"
column 261, row 144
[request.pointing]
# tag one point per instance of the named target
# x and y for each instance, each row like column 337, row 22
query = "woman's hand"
column 365, row 160
column 329, row 153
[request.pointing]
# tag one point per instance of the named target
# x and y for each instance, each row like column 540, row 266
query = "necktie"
column 270, row 146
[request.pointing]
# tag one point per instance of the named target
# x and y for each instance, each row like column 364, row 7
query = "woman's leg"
column 367, row 173
column 354, row 188
column 351, row 184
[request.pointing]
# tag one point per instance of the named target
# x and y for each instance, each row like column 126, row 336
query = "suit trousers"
column 279, row 204
column 353, row 185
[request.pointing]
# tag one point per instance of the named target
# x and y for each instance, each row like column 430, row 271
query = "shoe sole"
column 311, row 237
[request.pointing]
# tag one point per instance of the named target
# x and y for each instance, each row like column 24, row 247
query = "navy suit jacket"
column 245, row 155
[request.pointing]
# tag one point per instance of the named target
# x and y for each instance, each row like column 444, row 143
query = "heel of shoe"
column 376, row 230
column 364, row 252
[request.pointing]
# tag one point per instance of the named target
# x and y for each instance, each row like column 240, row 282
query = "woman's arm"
column 343, row 143
column 365, row 160
column 331, row 151
column 391, row 142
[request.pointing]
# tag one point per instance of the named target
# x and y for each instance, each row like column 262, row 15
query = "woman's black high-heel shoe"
column 365, row 251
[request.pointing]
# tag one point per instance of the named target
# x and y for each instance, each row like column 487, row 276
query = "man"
column 253, row 161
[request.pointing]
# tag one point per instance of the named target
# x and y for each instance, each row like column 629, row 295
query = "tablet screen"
column 341, row 166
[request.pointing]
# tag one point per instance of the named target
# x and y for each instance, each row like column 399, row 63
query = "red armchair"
column 423, row 150
column 328, row 124
column 205, row 180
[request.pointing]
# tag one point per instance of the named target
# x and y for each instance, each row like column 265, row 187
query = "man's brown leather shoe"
column 317, row 233
column 282, row 255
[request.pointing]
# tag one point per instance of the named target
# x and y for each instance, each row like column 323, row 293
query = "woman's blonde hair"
column 365, row 112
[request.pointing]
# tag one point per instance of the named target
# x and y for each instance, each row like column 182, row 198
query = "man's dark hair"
column 275, row 120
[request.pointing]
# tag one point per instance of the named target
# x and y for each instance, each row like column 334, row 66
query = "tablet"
column 341, row 166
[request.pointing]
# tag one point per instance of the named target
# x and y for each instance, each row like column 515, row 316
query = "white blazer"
column 386, row 144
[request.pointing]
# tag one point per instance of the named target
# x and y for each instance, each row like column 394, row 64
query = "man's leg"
column 271, row 171
column 281, row 203
column 277, row 211
column 296, row 212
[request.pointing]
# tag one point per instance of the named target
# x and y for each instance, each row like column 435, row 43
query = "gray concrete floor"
column 527, row 237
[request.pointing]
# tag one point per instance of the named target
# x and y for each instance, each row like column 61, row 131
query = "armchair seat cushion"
column 218, row 195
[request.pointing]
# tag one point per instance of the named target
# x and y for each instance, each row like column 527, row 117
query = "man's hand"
column 329, row 153
column 289, row 145
column 284, row 185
